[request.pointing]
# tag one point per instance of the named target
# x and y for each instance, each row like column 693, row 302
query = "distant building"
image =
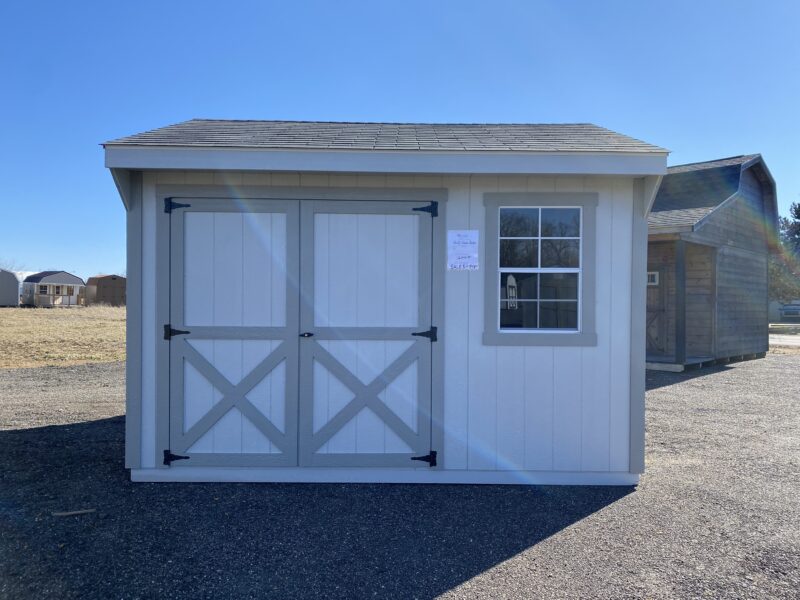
column 709, row 238
column 9, row 288
column 52, row 288
column 105, row 289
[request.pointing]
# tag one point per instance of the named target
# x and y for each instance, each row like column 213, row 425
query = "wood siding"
column 505, row 408
column 699, row 300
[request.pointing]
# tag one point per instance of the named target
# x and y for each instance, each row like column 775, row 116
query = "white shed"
column 373, row 302
column 9, row 288
column 52, row 289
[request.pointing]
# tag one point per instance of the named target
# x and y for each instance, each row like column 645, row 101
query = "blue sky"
column 704, row 79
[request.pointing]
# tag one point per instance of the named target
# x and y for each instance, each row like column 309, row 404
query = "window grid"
column 540, row 270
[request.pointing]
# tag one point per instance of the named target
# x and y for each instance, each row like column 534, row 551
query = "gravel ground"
column 717, row 514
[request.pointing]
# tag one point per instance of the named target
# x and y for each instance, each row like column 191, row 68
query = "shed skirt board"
column 293, row 333
column 387, row 475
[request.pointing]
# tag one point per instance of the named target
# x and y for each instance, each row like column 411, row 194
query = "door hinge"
column 169, row 457
column 430, row 334
column 170, row 205
column 432, row 208
column 169, row 332
column 428, row 458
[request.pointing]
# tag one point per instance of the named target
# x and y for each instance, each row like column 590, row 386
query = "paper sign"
column 462, row 250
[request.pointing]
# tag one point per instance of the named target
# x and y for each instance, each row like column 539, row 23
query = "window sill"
column 578, row 339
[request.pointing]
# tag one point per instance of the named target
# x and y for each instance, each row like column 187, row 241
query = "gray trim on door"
column 365, row 395
column 223, row 195
column 133, row 326
column 233, row 395
column 638, row 342
column 587, row 336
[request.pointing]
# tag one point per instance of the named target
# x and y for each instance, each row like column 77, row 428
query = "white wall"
column 506, row 408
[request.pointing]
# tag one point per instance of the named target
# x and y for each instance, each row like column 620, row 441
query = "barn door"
column 365, row 341
column 656, row 329
column 233, row 332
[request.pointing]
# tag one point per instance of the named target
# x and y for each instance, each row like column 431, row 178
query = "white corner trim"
column 367, row 475
column 371, row 161
column 651, row 185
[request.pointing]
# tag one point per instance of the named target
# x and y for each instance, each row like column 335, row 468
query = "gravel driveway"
column 717, row 514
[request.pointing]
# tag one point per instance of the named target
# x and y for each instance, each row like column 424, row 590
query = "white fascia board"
column 371, row 161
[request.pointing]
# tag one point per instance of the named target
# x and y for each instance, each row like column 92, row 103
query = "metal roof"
column 456, row 137
column 690, row 192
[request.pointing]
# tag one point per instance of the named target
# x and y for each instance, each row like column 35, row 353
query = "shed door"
column 657, row 314
column 233, row 370
column 293, row 333
column 365, row 387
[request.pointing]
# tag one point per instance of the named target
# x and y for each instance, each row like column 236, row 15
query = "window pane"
column 522, row 286
column 559, row 315
column 559, row 286
column 560, row 253
column 518, row 253
column 519, row 222
column 561, row 222
column 521, row 317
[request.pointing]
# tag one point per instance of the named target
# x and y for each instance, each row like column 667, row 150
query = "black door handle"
column 306, row 334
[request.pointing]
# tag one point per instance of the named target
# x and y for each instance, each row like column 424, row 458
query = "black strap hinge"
column 428, row 458
column 169, row 457
column 432, row 208
column 169, row 332
column 170, row 205
column 430, row 334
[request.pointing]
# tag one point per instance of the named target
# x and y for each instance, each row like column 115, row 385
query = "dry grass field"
column 38, row 337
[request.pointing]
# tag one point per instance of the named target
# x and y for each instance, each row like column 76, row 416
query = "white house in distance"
column 378, row 302
column 52, row 289
column 9, row 288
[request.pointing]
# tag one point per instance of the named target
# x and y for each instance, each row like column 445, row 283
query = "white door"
column 365, row 390
column 233, row 352
column 300, row 333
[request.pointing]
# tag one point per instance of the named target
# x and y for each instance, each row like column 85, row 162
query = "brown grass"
column 37, row 337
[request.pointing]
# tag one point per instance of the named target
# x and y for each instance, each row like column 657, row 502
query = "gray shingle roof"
column 578, row 137
column 37, row 277
column 690, row 192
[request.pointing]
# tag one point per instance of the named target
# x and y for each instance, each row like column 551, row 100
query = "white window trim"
column 585, row 335
column 655, row 281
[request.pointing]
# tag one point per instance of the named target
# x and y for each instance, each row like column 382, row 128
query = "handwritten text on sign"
column 462, row 250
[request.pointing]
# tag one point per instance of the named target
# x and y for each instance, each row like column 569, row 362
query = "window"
column 57, row 290
column 43, row 289
column 539, row 267
column 652, row 278
column 70, row 290
column 540, row 285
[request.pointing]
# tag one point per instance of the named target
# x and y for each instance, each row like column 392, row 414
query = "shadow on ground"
column 249, row 540
column 658, row 379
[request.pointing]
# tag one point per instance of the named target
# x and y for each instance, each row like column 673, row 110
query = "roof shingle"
column 290, row 135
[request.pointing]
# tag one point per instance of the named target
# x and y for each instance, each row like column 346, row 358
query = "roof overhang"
column 371, row 161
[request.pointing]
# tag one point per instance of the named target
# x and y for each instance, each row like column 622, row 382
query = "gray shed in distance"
column 709, row 237
column 105, row 289
column 9, row 288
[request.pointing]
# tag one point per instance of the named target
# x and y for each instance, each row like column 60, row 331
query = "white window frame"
column 39, row 290
column 654, row 281
column 585, row 334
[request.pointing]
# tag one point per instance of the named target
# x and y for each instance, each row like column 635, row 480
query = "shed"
column 710, row 234
column 105, row 289
column 383, row 302
column 52, row 289
column 9, row 288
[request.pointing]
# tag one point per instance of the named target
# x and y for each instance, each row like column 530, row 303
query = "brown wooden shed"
column 709, row 238
column 105, row 289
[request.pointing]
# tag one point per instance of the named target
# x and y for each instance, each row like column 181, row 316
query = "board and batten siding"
column 505, row 408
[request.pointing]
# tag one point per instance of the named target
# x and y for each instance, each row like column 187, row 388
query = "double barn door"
column 295, row 333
